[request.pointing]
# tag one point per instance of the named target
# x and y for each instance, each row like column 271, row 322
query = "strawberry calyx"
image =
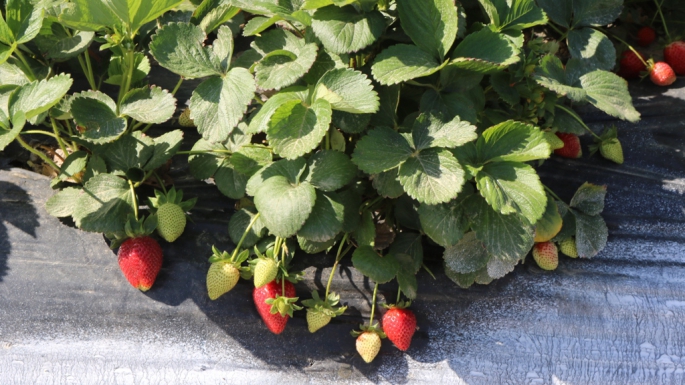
column 327, row 306
column 172, row 196
column 373, row 328
column 398, row 305
column 283, row 305
column 134, row 228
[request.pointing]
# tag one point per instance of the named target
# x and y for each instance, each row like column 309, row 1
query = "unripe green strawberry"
column 568, row 247
column 546, row 255
column 171, row 221
column 265, row 271
column 221, row 278
column 316, row 320
column 612, row 150
column 368, row 345
column 184, row 120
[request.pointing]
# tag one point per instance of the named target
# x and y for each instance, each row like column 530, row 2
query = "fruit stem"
column 299, row 33
column 247, row 230
column 663, row 19
column 84, row 68
column 399, row 291
column 549, row 190
column 338, row 257
column 373, row 304
column 135, row 199
column 38, row 153
column 414, row 83
column 21, row 57
column 630, row 47
column 57, row 137
column 178, row 85
column 161, row 182
column 370, row 203
column 577, row 118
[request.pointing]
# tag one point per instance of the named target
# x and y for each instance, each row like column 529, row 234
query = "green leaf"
column 229, row 181
column 402, row 62
column 513, row 141
column 239, row 223
column 258, row 24
column 330, row 170
column 73, row 164
column 94, row 111
column 560, row 11
column 248, row 160
column 325, row 220
column 444, row 223
column 129, row 151
column 6, row 35
column 351, row 123
column 179, row 47
column 260, row 122
column 593, row 47
column 290, row 169
column 407, row 212
column 217, row 16
column 344, row 30
column 406, row 279
column 409, row 244
column 450, row 105
column 284, row 206
column 88, row 15
column 222, row 48
column 286, row 59
column 435, row 130
column 165, row 147
column 506, row 237
column 550, row 74
column 365, row 234
column 387, row 183
column 205, row 165
column 378, row 269
column 117, row 69
column 136, row 13
column 7, row 136
column 351, row 200
column 565, row 122
column 502, row 83
column 549, row 225
column 595, row 13
column 433, row 176
column 347, row 90
column 59, row 46
column 311, row 247
column 103, row 205
column 380, row 150
column 485, row 51
column 589, row 199
column 24, row 19
column 467, row 256
column 218, row 103
column 512, row 187
column 431, row 24
column 516, row 14
column 38, row 96
column 64, row 202
column 387, row 112
column 148, row 105
column 96, row 166
column 591, row 234
column 609, row 92
column 295, row 129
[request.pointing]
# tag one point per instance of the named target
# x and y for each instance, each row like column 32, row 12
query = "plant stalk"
column 135, row 199
column 338, row 257
column 373, row 305
column 578, row 119
column 247, row 230
column 38, row 153
column 57, row 137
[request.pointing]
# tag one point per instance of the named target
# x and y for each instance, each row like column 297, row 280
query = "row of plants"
column 370, row 127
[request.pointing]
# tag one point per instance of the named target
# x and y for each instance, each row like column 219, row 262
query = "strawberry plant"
column 375, row 127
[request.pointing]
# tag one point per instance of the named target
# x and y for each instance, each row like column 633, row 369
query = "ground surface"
column 68, row 316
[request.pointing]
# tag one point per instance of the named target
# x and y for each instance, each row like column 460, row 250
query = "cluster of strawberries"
column 634, row 64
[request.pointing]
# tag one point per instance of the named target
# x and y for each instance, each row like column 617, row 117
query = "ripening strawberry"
column 171, row 221
column 568, row 247
column 316, row 320
column 399, row 325
column 571, row 147
column 221, row 278
column 140, row 259
column 368, row 345
column 646, row 36
column 184, row 120
column 661, row 74
column 265, row 271
column 274, row 322
column 631, row 65
column 546, row 255
column 674, row 55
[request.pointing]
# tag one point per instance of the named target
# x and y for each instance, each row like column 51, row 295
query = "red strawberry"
column 399, row 325
column 546, row 255
column 275, row 322
column 140, row 259
column 646, row 36
column 631, row 65
column 571, row 147
column 674, row 55
column 661, row 74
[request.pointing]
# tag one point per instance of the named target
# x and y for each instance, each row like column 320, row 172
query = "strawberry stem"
column 577, row 118
column 663, row 20
column 247, row 230
column 549, row 190
column 58, row 138
column 399, row 291
column 630, row 47
column 135, row 199
column 161, row 182
column 38, row 153
column 373, row 304
column 338, row 257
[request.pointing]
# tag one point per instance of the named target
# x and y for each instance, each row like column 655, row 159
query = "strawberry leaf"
column 73, row 164
column 406, row 277
column 433, row 176
column 378, row 269
column 513, row 15
column 203, row 166
column 513, row 141
column 325, row 220
column 34, row 98
column 330, row 170
column 248, row 160
column 444, row 223
column 103, row 205
column 344, row 30
column 95, row 111
column 402, row 62
column 591, row 234
column 431, row 24
column 409, row 244
column 292, row 170
column 148, row 105
column 238, row 224
column 609, row 92
column 466, row 256
column 179, row 47
column 435, row 130
column 347, row 90
column 260, row 122
column 229, row 181
column 7, row 136
column 551, row 75
column 311, row 247
column 24, row 20
column 295, row 129
column 589, row 199
column 164, row 147
column 592, row 47
column 380, row 150
column 285, row 58
column 284, row 206
column 387, row 183
column 485, row 51
column 365, row 234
